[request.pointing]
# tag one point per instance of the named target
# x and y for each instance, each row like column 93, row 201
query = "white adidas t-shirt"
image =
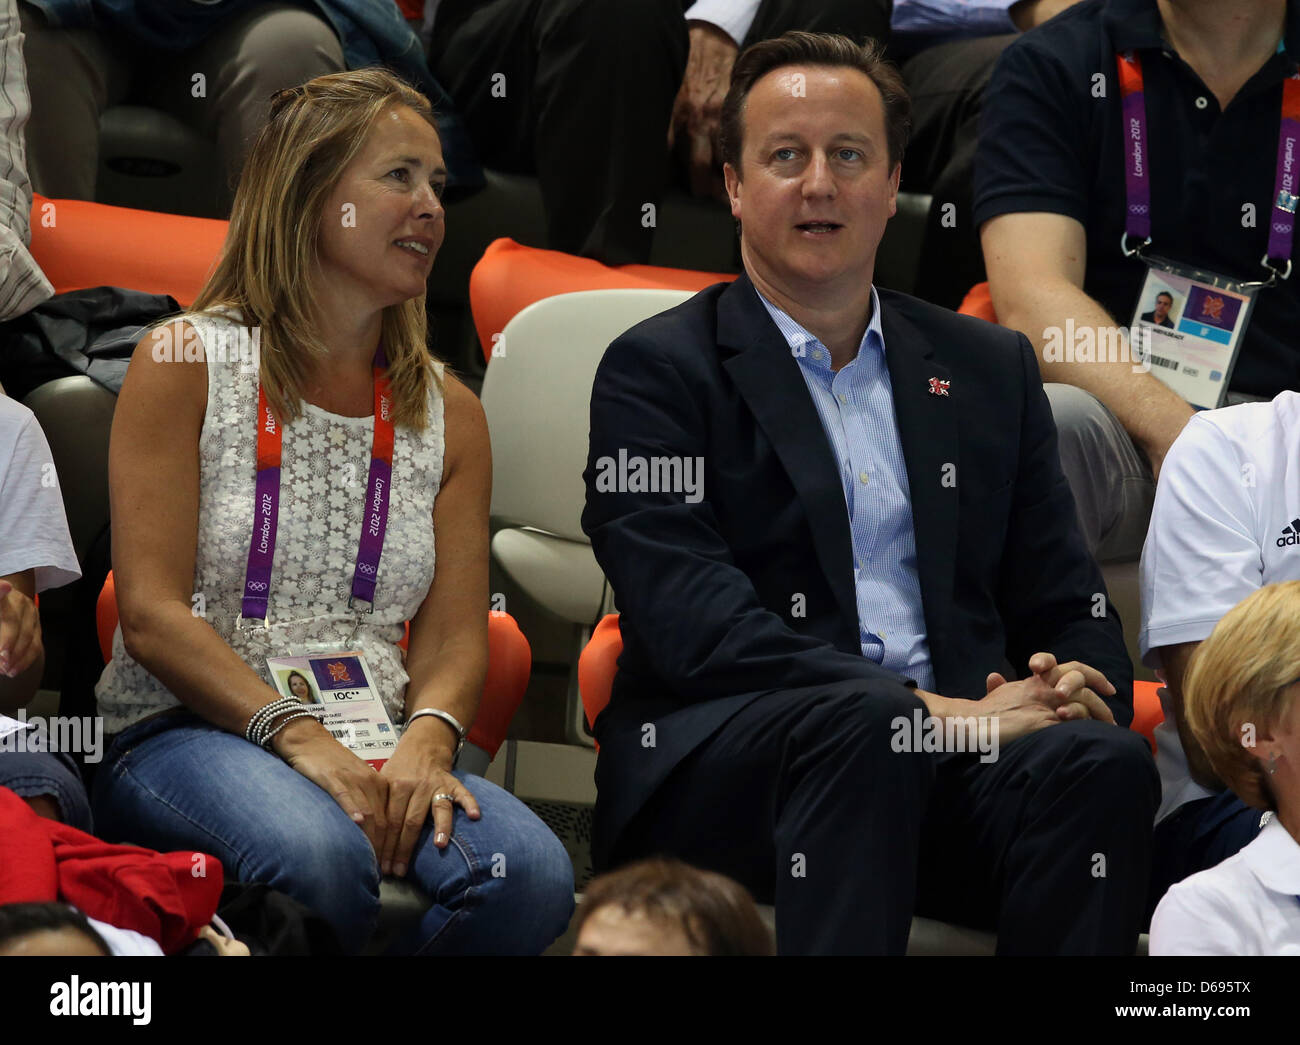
column 1226, row 521
column 33, row 528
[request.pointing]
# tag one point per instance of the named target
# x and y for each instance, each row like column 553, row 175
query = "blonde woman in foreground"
column 262, row 511
column 1242, row 701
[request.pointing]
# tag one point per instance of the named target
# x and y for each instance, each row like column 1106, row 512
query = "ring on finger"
column 443, row 794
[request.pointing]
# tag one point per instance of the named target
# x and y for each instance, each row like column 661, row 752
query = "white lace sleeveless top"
column 325, row 462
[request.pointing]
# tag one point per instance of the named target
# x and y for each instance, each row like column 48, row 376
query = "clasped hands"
column 1053, row 693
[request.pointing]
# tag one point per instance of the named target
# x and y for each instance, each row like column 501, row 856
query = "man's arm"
column 1036, row 264
column 693, row 610
column 1201, row 558
column 35, row 551
column 1174, row 661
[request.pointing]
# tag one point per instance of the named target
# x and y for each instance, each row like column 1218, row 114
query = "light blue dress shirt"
column 856, row 407
column 923, row 23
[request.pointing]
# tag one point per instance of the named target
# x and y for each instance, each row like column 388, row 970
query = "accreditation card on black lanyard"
column 333, row 682
column 1190, row 323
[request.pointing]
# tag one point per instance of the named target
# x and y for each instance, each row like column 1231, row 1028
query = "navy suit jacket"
column 750, row 588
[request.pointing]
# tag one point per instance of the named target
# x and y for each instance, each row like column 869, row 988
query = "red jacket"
column 166, row 896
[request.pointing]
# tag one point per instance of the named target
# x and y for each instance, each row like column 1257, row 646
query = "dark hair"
column 717, row 915
column 1165, row 294
column 288, row 679
column 26, row 919
column 827, row 49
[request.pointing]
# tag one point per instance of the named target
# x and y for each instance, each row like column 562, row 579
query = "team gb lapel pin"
column 938, row 388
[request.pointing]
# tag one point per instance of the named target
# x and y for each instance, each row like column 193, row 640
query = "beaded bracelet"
column 266, row 740
column 264, row 713
column 263, row 716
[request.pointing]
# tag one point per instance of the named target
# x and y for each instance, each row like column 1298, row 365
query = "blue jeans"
column 29, row 774
column 504, row 885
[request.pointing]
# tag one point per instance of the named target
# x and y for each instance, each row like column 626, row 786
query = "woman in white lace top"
column 335, row 226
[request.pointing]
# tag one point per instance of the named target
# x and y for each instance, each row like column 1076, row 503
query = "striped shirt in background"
column 22, row 284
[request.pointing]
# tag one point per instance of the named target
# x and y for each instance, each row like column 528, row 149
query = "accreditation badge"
column 1189, row 325
column 337, row 687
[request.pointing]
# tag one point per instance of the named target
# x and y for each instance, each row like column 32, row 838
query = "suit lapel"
column 769, row 379
column 927, row 428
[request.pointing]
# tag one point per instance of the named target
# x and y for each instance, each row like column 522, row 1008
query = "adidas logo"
column 1290, row 534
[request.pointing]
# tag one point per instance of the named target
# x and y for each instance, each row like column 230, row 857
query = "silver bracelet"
column 263, row 726
column 264, row 714
column 448, row 718
column 266, row 740
column 263, row 711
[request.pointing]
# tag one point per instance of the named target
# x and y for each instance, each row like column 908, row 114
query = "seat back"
column 80, row 244
column 898, row 258
column 510, row 276
column 106, row 616
column 76, row 416
column 978, row 302
column 1147, row 712
column 537, row 398
column 598, row 665
column 150, row 159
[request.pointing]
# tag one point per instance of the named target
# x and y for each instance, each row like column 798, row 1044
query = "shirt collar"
column 799, row 338
column 1274, row 858
column 1134, row 25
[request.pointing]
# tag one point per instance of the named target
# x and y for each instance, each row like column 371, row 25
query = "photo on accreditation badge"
column 1162, row 306
column 296, row 682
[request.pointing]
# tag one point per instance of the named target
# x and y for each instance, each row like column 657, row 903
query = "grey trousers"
column 75, row 74
column 1110, row 477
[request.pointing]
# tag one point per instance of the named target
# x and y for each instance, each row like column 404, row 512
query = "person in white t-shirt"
column 36, row 553
column 1242, row 707
column 1226, row 522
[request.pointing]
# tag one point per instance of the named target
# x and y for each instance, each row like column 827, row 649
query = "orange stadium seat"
column 80, row 244
column 978, row 302
column 598, row 665
column 510, row 277
column 1147, row 712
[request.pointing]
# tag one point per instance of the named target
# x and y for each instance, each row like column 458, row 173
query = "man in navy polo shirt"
column 1050, row 200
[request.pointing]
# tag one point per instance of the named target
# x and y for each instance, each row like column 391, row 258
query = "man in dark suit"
column 882, row 522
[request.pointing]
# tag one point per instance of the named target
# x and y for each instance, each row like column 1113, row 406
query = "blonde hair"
column 1237, row 682
column 313, row 133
